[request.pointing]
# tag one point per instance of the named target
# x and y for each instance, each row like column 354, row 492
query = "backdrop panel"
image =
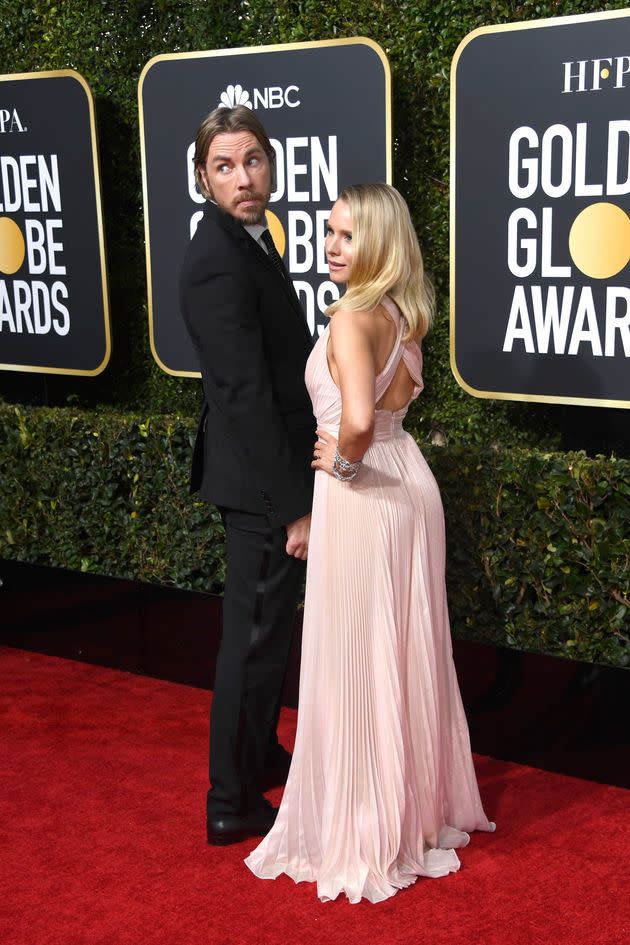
column 326, row 108
column 54, row 310
column 540, row 226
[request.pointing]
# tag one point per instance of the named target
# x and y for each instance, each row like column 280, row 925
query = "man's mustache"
column 248, row 195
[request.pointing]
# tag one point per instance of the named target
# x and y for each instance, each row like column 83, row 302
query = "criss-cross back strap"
column 408, row 352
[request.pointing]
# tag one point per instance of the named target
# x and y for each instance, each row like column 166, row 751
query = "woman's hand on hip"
column 324, row 452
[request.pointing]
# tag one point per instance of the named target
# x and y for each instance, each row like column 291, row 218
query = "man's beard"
column 254, row 219
column 255, row 215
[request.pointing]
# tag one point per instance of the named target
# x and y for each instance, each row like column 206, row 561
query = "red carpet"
column 103, row 784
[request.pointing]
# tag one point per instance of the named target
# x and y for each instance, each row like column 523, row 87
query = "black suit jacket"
column 256, row 433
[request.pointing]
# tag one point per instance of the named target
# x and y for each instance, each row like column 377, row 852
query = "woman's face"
column 339, row 242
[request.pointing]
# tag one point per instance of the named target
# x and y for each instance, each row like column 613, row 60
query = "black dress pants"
column 261, row 592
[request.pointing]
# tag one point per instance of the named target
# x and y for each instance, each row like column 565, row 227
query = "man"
column 252, row 454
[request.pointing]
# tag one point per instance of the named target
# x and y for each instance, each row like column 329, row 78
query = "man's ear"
column 207, row 189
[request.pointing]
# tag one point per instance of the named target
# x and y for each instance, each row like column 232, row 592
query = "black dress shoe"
column 232, row 828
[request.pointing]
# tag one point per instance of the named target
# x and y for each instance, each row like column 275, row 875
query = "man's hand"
column 297, row 537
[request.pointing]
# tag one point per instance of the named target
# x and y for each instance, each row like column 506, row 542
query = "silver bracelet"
column 343, row 469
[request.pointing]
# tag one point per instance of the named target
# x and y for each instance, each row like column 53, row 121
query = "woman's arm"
column 353, row 366
column 352, row 350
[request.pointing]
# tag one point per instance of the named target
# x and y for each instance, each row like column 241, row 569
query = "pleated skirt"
column 382, row 787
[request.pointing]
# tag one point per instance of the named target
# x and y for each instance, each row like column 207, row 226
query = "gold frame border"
column 245, row 50
column 480, row 31
column 36, row 368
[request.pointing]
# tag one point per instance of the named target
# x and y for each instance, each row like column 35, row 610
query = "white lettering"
column 6, row 315
column 295, row 170
column 62, row 327
column 54, row 268
column 554, row 321
column 620, row 70
column 280, row 178
column 547, row 317
column 307, row 297
column 326, row 169
column 41, row 313
column 561, row 133
column 49, row 182
column 296, row 102
column 569, row 75
column 327, row 293
column 194, row 222
column 321, row 169
column 41, row 248
column 10, row 118
column 557, row 157
column 613, row 184
column 28, row 183
column 193, row 192
column 276, row 97
column 22, row 305
column 261, row 98
column 35, row 251
column 582, row 189
column 321, row 222
column 549, row 271
column 17, row 180
column 516, row 163
column 296, row 239
column 523, row 214
column 10, row 175
column 519, row 313
column 614, row 322
column 589, row 334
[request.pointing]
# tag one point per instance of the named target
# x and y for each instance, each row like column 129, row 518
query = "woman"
column 382, row 787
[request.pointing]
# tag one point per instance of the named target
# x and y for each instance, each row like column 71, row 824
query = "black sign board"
column 540, row 227
column 326, row 108
column 54, row 311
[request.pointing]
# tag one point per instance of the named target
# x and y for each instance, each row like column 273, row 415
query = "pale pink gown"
column 382, row 787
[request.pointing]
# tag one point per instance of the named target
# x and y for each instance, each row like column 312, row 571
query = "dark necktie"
column 272, row 252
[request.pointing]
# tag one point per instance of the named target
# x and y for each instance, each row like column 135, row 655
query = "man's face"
column 238, row 175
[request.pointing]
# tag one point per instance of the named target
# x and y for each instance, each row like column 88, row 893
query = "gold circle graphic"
column 605, row 73
column 277, row 231
column 599, row 241
column 12, row 247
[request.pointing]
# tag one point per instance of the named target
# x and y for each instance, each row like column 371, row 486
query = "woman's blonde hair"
column 386, row 258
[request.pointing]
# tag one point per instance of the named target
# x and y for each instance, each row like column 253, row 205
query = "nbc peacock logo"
column 274, row 96
column 235, row 95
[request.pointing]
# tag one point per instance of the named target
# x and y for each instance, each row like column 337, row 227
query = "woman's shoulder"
column 356, row 330
column 350, row 320
column 360, row 317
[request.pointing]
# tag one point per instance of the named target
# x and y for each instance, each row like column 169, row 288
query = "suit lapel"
column 237, row 231
column 285, row 283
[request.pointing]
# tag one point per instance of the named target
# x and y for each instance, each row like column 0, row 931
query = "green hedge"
column 108, row 493
column 538, row 543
